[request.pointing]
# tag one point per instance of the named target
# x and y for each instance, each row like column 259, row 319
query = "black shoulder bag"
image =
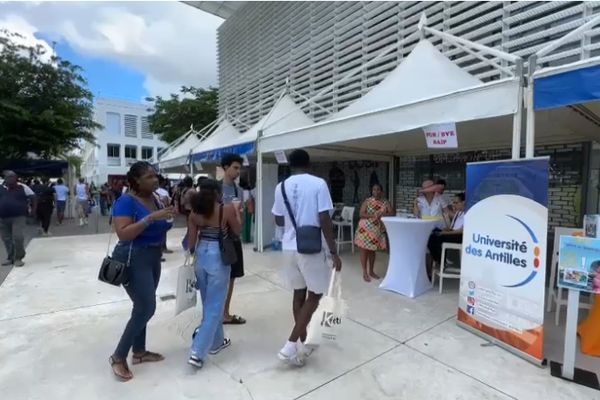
column 226, row 245
column 308, row 237
column 112, row 271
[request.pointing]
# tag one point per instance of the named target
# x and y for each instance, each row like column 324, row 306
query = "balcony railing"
column 114, row 161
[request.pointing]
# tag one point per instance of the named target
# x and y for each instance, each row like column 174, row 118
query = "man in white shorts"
column 307, row 274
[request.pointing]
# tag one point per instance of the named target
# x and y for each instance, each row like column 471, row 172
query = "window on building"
column 113, row 151
column 145, row 126
column 131, row 152
column 113, row 123
column 147, row 153
column 130, row 125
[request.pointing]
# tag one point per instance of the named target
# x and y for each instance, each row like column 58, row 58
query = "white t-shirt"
column 308, row 196
column 435, row 209
column 81, row 191
column 61, row 192
column 458, row 221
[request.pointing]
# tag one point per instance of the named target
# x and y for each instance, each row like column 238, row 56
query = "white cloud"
column 171, row 43
column 16, row 24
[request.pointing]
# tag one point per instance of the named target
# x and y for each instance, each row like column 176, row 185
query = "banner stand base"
column 581, row 377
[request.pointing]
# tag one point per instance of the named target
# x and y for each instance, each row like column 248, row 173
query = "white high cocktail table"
column 406, row 272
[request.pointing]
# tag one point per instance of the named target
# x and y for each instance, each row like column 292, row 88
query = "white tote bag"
column 186, row 286
column 326, row 322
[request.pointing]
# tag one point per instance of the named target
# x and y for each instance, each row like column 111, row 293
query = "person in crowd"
column 442, row 189
column 165, row 199
column 140, row 222
column 61, row 192
column 117, row 189
column 451, row 234
column 209, row 220
column 94, row 194
column 306, row 274
column 105, row 195
column 182, row 200
column 82, row 194
column 370, row 235
column 430, row 204
column 15, row 201
column 37, row 187
column 45, row 205
column 233, row 194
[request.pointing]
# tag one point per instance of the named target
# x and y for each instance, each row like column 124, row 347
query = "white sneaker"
column 304, row 351
column 293, row 359
column 80, row 221
column 86, row 222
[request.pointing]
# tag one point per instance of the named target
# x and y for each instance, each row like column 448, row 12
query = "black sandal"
column 235, row 320
column 145, row 357
column 121, row 377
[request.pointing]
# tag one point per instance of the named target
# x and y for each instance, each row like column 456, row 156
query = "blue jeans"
column 212, row 277
column 143, row 274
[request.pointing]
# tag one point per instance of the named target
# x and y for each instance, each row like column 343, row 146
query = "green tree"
column 45, row 106
column 172, row 118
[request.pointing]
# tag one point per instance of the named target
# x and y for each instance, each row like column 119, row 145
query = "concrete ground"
column 58, row 326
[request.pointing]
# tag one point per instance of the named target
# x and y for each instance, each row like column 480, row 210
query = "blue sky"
column 105, row 78
column 128, row 50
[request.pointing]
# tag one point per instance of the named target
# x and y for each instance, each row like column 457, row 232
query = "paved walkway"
column 58, row 325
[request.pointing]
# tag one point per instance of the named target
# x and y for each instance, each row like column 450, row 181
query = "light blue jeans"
column 212, row 278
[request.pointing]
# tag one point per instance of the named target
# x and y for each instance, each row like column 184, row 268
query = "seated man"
column 452, row 234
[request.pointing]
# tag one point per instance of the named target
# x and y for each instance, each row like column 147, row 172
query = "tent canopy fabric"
column 561, row 87
column 426, row 88
column 179, row 155
column 285, row 115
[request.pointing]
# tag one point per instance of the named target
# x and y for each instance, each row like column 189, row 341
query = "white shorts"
column 307, row 271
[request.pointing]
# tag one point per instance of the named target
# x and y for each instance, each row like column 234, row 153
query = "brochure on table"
column 504, row 254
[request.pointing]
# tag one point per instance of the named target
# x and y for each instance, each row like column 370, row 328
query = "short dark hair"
column 59, row 181
column 188, row 181
column 460, row 196
column 231, row 158
column 299, row 159
column 441, row 182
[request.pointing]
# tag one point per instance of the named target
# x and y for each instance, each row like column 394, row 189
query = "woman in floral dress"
column 370, row 235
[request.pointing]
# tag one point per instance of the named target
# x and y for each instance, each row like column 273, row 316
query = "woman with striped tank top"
column 208, row 219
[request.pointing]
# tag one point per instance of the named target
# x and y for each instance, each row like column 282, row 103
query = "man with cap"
column 15, row 198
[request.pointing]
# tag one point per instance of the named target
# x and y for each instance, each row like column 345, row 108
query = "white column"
column 568, row 368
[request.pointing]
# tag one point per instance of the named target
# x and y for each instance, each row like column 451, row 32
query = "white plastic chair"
column 443, row 271
column 347, row 221
column 555, row 293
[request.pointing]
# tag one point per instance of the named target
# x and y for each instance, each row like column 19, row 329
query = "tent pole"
column 518, row 116
column 259, row 197
column 392, row 183
column 530, row 133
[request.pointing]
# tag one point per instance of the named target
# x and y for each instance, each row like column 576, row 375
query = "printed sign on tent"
column 281, row 157
column 502, row 280
column 441, row 136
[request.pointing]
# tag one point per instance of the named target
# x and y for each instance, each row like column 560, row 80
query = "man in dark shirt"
column 14, row 208
column 45, row 205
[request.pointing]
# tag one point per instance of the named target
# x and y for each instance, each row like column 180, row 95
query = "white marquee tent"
column 426, row 88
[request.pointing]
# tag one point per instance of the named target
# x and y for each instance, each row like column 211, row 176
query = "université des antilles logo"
column 512, row 252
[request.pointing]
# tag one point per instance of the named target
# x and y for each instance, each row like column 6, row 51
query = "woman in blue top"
column 141, row 224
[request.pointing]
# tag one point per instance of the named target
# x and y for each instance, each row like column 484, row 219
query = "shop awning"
column 426, row 88
column 567, row 85
column 285, row 115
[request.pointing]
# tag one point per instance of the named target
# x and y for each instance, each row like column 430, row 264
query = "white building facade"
column 123, row 139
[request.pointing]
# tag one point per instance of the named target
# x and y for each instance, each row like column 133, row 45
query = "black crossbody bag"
column 226, row 245
column 308, row 237
column 112, row 271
